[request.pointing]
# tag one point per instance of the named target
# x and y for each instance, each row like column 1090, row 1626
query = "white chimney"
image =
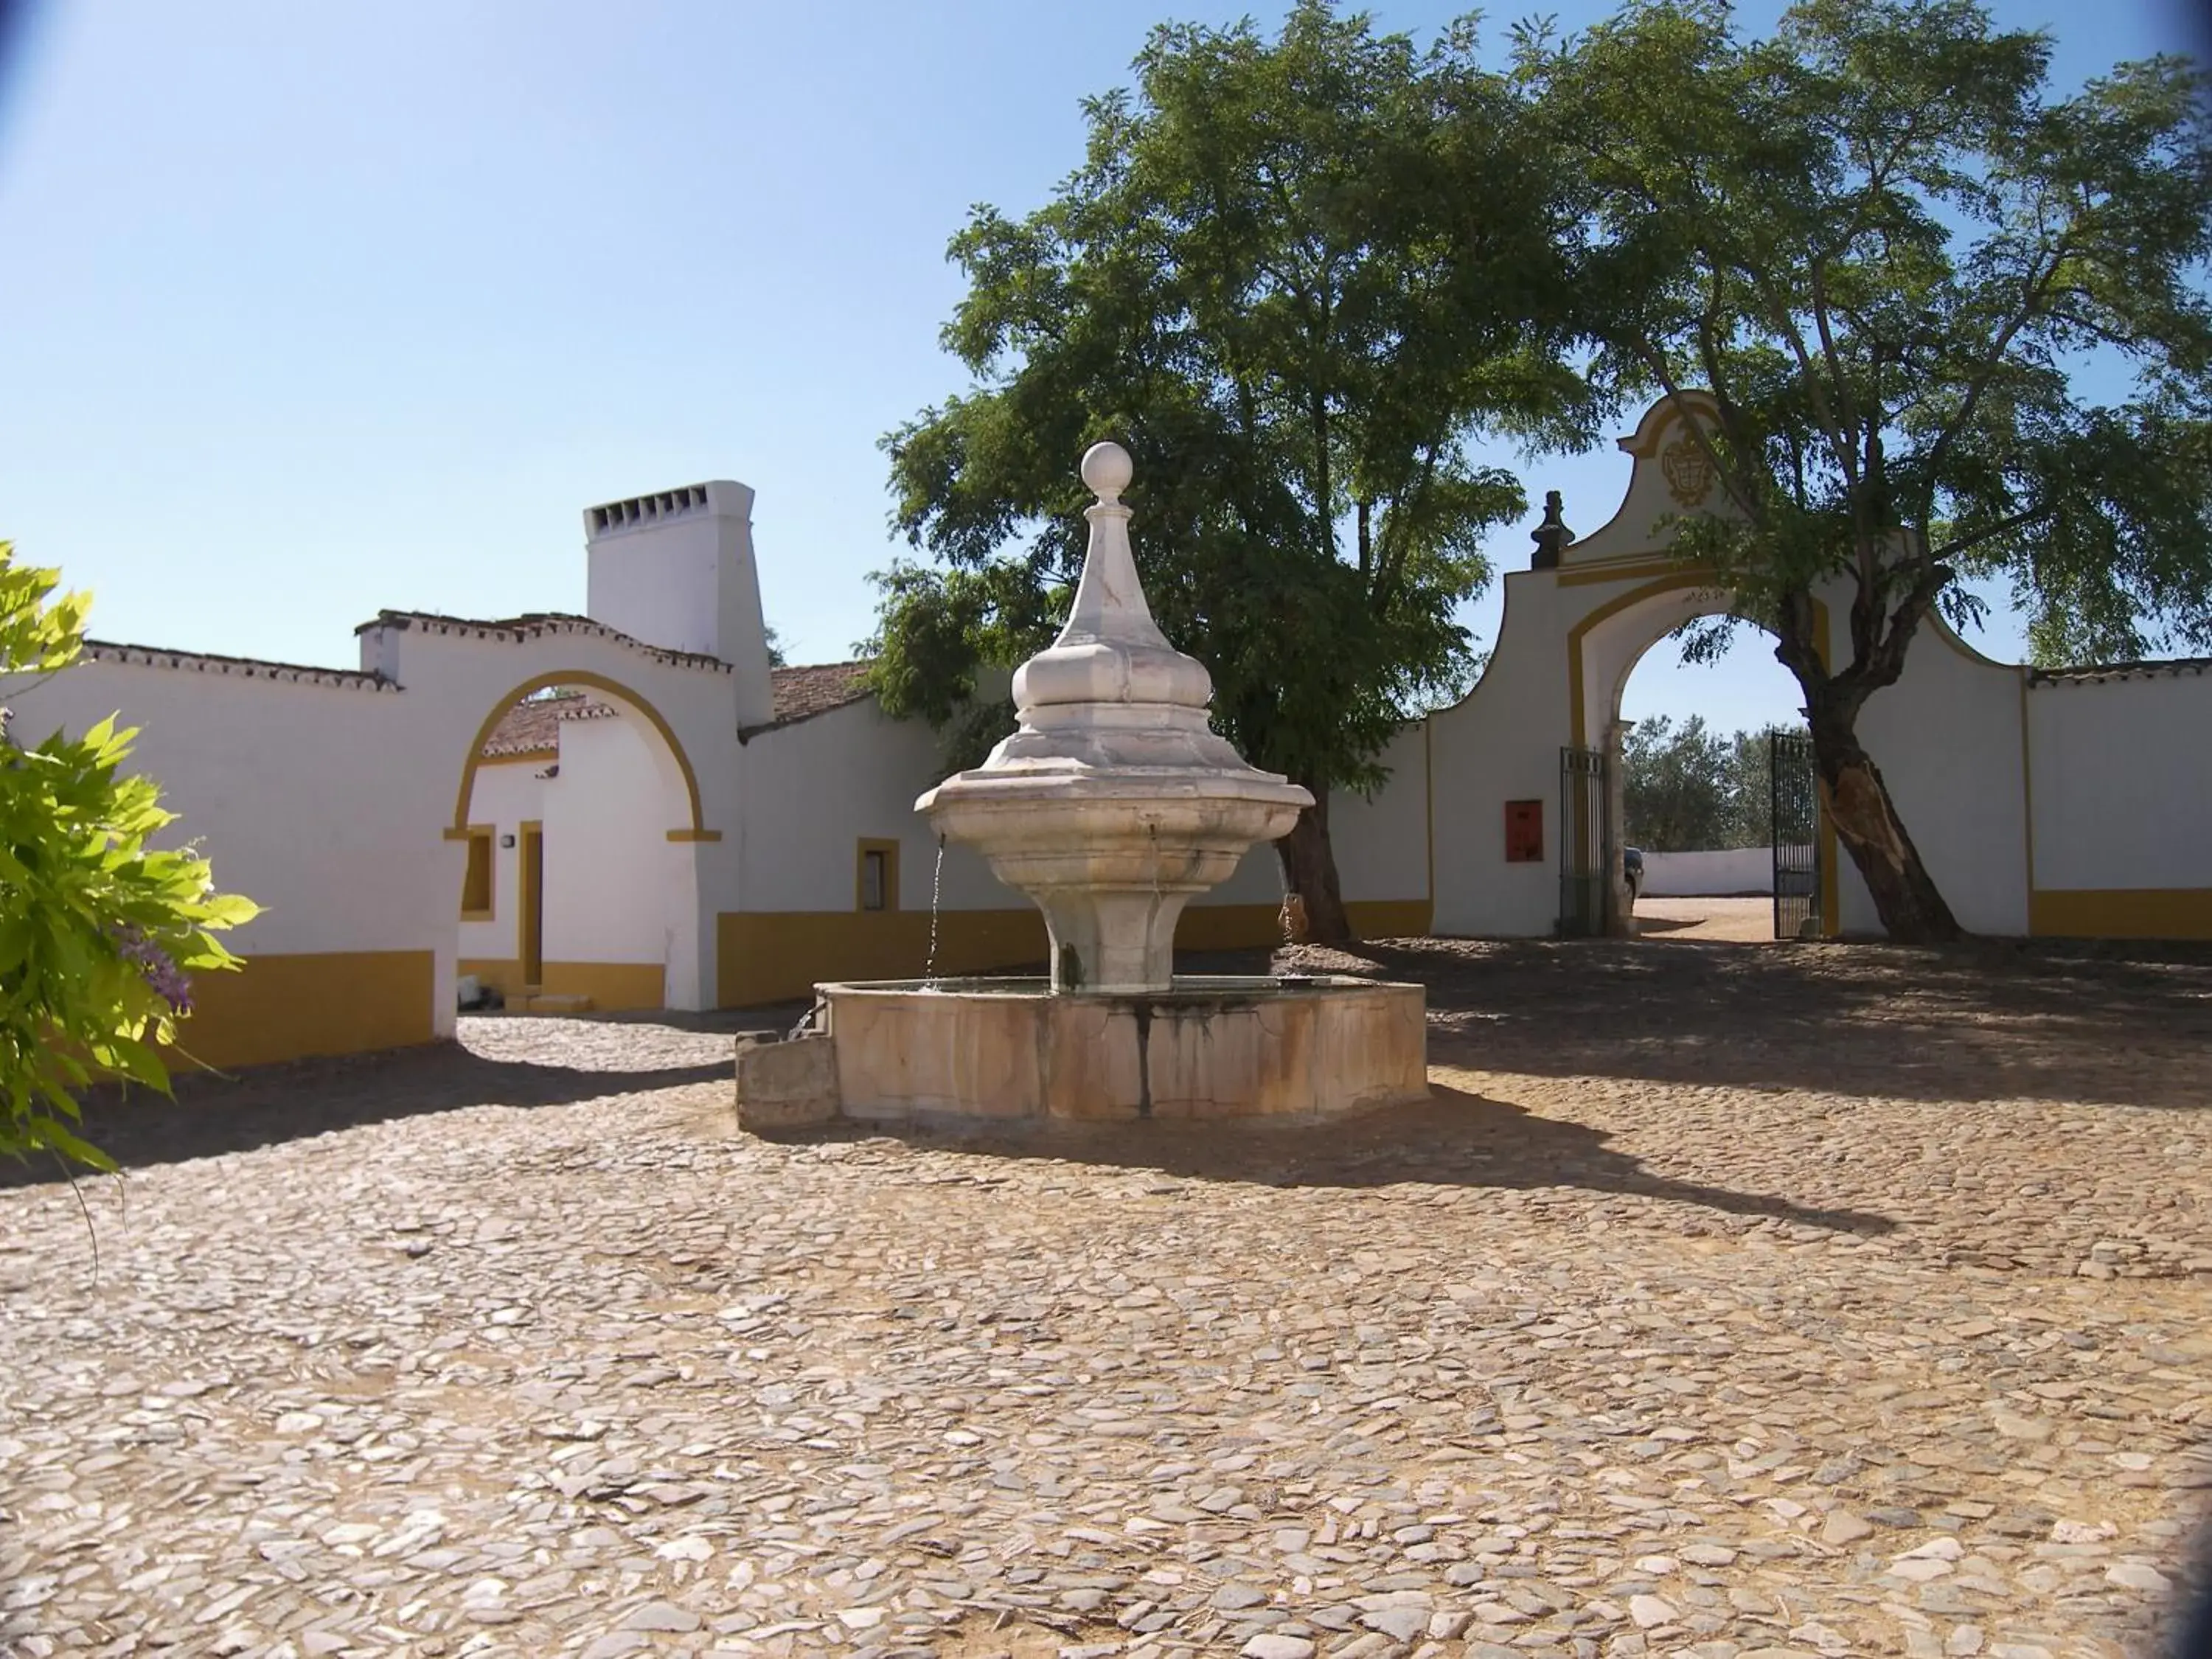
column 675, row 569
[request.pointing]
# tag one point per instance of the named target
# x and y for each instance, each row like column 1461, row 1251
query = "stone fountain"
column 1111, row 805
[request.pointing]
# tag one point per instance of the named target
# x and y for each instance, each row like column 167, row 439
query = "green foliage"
column 1887, row 249
column 1685, row 789
column 1295, row 279
column 774, row 648
column 98, row 931
column 1675, row 785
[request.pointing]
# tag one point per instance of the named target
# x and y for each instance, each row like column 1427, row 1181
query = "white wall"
column 1948, row 739
column 676, row 570
column 304, row 797
column 2122, row 771
column 813, row 790
column 506, row 797
column 312, row 800
column 1706, row 874
column 459, row 673
column 1502, row 743
column 1381, row 844
column 606, row 847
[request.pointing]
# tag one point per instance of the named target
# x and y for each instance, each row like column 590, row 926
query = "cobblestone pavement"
column 1725, row 1301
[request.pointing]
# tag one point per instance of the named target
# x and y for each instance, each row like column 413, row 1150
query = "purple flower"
column 168, row 981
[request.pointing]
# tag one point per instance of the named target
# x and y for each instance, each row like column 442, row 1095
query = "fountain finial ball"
column 1107, row 470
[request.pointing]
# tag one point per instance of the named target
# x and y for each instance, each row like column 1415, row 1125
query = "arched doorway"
column 1605, row 647
column 580, row 812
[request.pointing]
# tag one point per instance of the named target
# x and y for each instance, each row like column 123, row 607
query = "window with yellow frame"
column 477, row 884
column 875, row 876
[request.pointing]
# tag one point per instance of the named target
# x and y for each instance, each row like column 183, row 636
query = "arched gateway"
column 1526, row 768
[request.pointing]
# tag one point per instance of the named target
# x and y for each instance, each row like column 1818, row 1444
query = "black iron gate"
column 1796, row 838
column 1586, row 852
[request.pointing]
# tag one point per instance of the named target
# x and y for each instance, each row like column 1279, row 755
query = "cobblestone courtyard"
column 1727, row 1300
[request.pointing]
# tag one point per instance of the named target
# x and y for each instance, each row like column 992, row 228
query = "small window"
column 476, row 887
column 876, row 882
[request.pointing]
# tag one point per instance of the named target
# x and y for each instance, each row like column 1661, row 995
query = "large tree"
column 1295, row 278
column 1903, row 266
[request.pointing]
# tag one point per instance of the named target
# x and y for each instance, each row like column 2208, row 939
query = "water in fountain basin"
column 936, row 897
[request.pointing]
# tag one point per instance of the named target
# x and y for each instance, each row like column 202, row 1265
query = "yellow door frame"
column 529, row 923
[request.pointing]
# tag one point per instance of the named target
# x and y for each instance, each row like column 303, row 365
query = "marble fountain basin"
column 1294, row 1049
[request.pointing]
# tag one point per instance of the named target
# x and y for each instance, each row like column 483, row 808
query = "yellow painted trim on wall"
column 890, row 849
column 488, row 834
column 1667, row 412
column 529, row 920
column 2181, row 912
column 614, row 987
column 281, row 1007
column 1691, row 580
column 1632, row 566
column 765, row 957
column 599, row 683
column 522, row 757
column 780, row 955
column 1260, row 926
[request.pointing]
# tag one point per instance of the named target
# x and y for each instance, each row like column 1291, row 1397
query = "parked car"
column 1631, row 864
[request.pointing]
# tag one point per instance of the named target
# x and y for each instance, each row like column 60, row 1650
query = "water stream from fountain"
column 936, row 896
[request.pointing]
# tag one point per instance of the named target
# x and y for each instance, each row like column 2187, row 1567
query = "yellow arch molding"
column 694, row 830
column 1693, row 577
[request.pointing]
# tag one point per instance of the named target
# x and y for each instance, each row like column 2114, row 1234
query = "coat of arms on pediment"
column 1688, row 469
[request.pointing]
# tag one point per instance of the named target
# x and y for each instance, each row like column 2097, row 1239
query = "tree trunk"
column 1309, row 872
column 1857, row 803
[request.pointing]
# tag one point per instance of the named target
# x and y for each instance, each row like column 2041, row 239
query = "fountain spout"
column 1114, row 802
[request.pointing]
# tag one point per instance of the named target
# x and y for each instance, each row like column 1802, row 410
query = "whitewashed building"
column 632, row 808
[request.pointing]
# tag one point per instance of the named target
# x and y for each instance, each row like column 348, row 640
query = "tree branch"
column 1952, row 549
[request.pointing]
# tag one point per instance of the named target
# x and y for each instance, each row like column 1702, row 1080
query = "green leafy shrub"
column 100, row 934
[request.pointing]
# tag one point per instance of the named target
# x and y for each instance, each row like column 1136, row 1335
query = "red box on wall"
column 1524, row 832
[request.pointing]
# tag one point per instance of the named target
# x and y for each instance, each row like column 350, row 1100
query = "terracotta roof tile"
column 210, row 662
column 537, row 624
column 531, row 726
column 818, row 688
column 2088, row 671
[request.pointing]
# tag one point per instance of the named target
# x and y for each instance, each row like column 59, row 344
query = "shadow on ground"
column 2126, row 1024
column 1453, row 1138
column 264, row 1105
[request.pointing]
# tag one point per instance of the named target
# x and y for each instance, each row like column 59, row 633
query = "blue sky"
column 314, row 309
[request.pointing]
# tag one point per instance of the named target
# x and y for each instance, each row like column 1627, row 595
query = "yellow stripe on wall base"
column 289, row 1007
column 614, row 987
column 780, row 955
column 2120, row 912
column 1259, row 927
